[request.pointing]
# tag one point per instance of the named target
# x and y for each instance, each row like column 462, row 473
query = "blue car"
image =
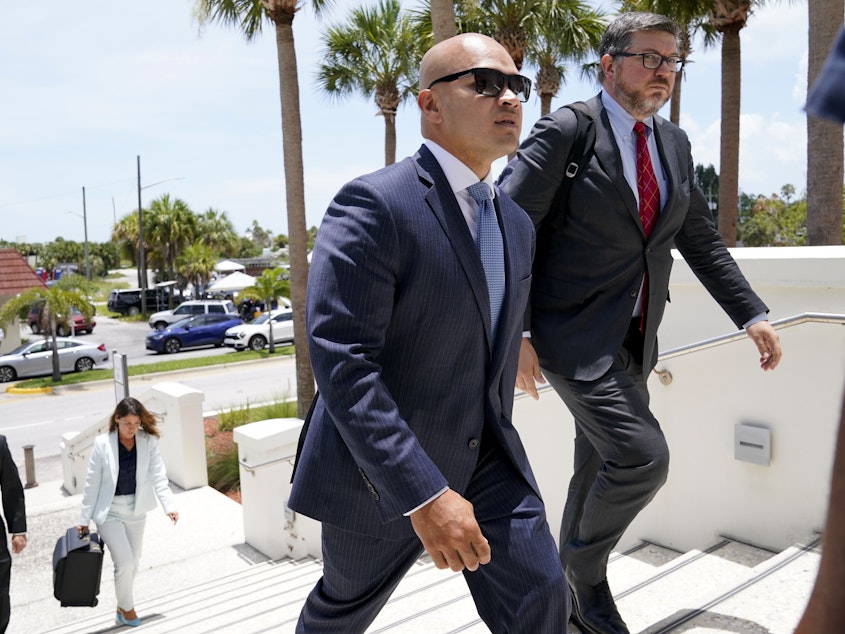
column 192, row 332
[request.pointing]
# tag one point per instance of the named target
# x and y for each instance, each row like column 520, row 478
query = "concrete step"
column 727, row 588
column 637, row 565
column 199, row 577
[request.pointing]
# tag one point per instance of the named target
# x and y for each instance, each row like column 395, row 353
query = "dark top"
column 128, row 461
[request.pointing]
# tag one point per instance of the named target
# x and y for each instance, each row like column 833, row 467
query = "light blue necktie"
column 491, row 249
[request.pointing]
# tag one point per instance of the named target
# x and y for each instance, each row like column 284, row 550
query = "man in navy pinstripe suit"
column 410, row 445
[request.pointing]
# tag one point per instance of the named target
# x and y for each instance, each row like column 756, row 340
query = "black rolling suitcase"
column 77, row 565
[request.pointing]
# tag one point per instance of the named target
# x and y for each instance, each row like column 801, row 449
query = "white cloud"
column 772, row 151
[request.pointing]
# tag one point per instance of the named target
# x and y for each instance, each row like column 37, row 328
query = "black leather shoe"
column 593, row 610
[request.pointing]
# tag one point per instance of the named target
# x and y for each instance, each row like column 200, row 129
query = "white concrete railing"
column 712, row 390
column 709, row 492
column 182, row 442
column 266, row 452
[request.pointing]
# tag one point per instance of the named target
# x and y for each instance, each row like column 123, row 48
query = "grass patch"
column 139, row 369
column 249, row 413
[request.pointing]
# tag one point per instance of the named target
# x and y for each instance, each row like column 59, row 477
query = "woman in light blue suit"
column 125, row 475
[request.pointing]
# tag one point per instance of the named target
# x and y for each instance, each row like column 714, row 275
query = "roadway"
column 41, row 419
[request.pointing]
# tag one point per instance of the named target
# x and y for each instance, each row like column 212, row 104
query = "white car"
column 36, row 358
column 256, row 333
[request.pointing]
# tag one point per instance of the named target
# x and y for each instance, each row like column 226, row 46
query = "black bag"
column 579, row 155
column 77, row 565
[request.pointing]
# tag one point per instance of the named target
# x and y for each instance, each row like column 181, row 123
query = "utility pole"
column 142, row 257
column 85, row 225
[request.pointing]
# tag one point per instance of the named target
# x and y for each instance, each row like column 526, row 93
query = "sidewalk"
column 207, row 543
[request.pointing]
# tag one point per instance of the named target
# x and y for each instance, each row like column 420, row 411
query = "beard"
column 636, row 102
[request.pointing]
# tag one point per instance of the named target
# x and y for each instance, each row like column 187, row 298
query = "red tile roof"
column 16, row 275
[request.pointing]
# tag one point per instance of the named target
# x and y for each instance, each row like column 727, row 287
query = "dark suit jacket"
column 399, row 334
column 584, row 291
column 14, row 504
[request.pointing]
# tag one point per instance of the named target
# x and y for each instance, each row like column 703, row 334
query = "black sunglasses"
column 491, row 83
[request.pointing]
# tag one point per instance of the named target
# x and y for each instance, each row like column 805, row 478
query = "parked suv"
column 164, row 318
column 128, row 301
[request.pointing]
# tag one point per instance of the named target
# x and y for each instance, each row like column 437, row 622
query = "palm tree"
column 170, row 227
column 196, row 265
column 375, row 53
column 217, row 231
column 729, row 17
column 824, row 138
column 442, row 19
column 248, row 17
column 125, row 234
column 566, row 29
column 55, row 303
column 512, row 23
column 268, row 287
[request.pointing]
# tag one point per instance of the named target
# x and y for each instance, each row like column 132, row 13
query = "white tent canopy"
column 236, row 281
column 227, row 266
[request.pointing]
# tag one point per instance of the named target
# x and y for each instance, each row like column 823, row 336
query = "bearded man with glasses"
column 417, row 287
column 600, row 287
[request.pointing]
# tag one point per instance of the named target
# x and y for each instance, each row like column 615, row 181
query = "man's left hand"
column 18, row 543
column 768, row 343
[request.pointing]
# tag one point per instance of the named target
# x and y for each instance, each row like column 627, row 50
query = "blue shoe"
column 122, row 620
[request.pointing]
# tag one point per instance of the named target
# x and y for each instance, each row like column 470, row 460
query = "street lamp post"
column 85, row 225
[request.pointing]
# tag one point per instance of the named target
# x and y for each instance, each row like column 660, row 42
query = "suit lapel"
column 142, row 455
column 443, row 204
column 608, row 156
column 114, row 457
column 671, row 164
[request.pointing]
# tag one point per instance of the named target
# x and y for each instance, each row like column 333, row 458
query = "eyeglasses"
column 491, row 83
column 653, row 61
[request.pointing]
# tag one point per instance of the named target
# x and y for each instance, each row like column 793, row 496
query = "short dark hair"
column 617, row 36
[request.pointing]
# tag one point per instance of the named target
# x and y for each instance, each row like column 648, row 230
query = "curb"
column 58, row 389
column 29, row 390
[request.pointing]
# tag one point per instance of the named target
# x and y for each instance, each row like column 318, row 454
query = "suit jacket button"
column 634, row 293
column 473, row 443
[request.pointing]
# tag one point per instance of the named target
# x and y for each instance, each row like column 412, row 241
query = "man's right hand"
column 528, row 374
column 450, row 533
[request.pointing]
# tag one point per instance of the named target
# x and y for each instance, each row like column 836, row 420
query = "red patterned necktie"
column 649, row 194
column 647, row 188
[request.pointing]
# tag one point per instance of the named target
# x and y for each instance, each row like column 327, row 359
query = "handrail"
column 666, row 376
column 780, row 324
column 252, row 468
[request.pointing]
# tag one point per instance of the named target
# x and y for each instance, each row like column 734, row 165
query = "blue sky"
column 87, row 86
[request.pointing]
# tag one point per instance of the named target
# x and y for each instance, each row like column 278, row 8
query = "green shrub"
column 224, row 470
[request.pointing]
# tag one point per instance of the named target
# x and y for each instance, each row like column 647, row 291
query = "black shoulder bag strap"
column 579, row 155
